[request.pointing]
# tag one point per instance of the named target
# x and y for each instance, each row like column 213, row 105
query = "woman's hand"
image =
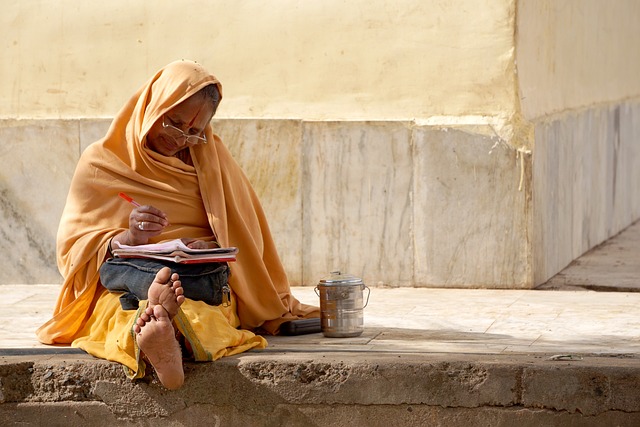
column 200, row 244
column 145, row 222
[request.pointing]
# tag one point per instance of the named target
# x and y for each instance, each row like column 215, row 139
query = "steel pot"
column 341, row 305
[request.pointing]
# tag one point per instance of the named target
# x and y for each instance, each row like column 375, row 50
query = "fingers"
column 196, row 244
column 147, row 221
column 200, row 244
column 150, row 210
column 151, row 215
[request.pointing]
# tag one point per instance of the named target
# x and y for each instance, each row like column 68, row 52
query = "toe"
column 144, row 317
column 163, row 275
column 160, row 312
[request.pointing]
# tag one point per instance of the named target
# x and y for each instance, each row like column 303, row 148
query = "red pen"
column 129, row 199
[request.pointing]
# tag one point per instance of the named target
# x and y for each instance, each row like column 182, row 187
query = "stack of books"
column 176, row 251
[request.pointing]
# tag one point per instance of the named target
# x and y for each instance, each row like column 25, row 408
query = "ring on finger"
column 141, row 225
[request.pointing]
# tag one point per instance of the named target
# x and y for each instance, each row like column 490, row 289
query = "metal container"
column 341, row 308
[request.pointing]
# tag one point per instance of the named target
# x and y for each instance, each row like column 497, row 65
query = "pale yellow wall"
column 330, row 59
column 316, row 60
column 574, row 54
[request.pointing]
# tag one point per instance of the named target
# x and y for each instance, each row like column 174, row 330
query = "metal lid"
column 337, row 278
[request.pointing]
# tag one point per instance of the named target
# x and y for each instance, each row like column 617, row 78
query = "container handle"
column 316, row 291
column 368, row 295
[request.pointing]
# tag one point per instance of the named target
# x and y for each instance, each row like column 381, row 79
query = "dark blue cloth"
column 205, row 282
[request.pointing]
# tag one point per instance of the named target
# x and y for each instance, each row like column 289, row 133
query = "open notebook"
column 175, row 251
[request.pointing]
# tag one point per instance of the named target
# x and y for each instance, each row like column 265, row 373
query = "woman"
column 161, row 151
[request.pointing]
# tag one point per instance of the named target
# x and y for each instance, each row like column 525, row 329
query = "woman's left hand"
column 200, row 244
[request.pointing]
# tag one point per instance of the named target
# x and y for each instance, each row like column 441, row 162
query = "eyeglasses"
column 176, row 133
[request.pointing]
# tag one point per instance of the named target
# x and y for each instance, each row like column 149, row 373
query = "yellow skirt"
column 211, row 332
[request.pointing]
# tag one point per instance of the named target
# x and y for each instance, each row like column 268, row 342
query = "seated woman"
column 161, row 151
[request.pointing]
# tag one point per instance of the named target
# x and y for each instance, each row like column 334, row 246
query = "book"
column 175, row 251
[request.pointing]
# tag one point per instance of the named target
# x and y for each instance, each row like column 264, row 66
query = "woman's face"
column 191, row 116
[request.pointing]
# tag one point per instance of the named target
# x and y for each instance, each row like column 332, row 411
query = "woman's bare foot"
column 156, row 338
column 155, row 334
column 166, row 290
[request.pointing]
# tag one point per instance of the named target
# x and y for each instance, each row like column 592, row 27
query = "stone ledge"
column 328, row 388
column 98, row 414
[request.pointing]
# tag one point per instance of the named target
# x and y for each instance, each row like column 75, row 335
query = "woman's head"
column 184, row 124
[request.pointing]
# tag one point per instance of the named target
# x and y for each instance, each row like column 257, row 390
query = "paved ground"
column 612, row 266
column 562, row 322
column 426, row 320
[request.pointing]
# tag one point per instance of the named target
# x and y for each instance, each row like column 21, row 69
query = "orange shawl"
column 121, row 162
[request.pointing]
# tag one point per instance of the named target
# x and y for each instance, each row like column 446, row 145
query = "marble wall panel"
column 585, row 180
column 357, row 201
column 269, row 151
column 594, row 175
column 550, row 249
column 471, row 223
column 626, row 152
column 38, row 159
column 569, row 175
column 92, row 130
column 396, row 204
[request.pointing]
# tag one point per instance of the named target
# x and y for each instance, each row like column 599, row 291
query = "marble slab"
column 357, row 201
column 586, row 175
column 38, row 159
column 471, row 211
column 270, row 153
column 396, row 203
column 92, row 131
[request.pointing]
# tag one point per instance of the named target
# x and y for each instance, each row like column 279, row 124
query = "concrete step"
column 328, row 388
